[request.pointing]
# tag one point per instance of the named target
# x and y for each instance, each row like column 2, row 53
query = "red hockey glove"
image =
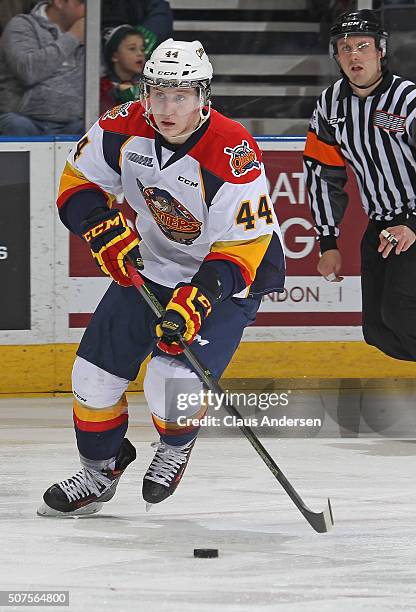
column 185, row 312
column 110, row 240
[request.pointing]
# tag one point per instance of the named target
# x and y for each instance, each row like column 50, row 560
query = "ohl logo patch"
column 118, row 111
column 174, row 220
column 242, row 158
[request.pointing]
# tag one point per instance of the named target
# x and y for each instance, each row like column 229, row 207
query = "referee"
column 367, row 119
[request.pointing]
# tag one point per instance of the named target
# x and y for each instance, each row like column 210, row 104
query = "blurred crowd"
column 42, row 56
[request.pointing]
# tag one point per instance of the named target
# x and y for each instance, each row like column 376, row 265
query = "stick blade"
column 322, row 522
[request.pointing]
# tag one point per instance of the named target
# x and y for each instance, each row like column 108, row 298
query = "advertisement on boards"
column 14, row 240
column 308, row 300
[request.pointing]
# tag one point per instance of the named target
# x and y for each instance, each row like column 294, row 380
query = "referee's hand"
column 329, row 265
column 398, row 237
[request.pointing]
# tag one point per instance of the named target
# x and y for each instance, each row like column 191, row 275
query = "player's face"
column 130, row 54
column 175, row 111
column 359, row 59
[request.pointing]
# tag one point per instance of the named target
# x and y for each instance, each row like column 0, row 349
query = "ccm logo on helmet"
column 350, row 23
column 162, row 72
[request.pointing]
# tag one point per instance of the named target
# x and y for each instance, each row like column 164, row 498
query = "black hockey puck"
column 206, row 553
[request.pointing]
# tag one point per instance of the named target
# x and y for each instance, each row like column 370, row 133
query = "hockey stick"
column 320, row 521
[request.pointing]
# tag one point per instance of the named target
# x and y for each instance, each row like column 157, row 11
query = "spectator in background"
column 10, row 8
column 42, row 70
column 153, row 18
column 124, row 61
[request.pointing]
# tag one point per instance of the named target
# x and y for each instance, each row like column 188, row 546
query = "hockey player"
column 367, row 119
column 209, row 246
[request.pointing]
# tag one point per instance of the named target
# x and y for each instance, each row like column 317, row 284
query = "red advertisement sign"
column 288, row 194
column 297, row 306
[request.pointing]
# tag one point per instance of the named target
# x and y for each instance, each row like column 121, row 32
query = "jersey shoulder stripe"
column 228, row 151
column 211, row 184
column 112, row 145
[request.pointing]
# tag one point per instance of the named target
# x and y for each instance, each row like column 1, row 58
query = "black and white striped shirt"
column 376, row 136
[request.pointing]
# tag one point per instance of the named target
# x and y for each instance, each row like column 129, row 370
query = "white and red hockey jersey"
column 206, row 200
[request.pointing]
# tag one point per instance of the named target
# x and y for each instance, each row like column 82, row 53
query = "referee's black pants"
column 389, row 296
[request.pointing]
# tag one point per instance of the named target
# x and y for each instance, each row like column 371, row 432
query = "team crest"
column 118, row 111
column 242, row 158
column 174, row 220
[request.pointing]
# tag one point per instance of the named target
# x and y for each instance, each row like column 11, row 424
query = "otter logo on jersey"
column 242, row 158
column 118, row 111
column 173, row 219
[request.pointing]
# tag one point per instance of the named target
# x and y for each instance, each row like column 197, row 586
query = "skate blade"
column 45, row 510
column 148, row 507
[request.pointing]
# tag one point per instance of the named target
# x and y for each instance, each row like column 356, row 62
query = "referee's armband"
column 322, row 152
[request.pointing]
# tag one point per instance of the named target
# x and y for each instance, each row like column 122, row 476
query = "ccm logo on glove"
column 111, row 240
column 104, row 226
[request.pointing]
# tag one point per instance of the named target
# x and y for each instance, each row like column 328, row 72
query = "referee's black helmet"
column 364, row 22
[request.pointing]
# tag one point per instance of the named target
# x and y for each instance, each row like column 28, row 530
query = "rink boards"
column 53, row 286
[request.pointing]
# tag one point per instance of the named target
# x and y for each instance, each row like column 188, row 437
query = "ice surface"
column 270, row 559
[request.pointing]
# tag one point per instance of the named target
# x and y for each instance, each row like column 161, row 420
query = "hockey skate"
column 165, row 471
column 86, row 491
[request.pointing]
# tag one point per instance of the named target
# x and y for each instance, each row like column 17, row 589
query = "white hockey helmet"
column 177, row 63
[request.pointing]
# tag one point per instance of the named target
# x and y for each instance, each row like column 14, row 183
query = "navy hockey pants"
column 121, row 333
